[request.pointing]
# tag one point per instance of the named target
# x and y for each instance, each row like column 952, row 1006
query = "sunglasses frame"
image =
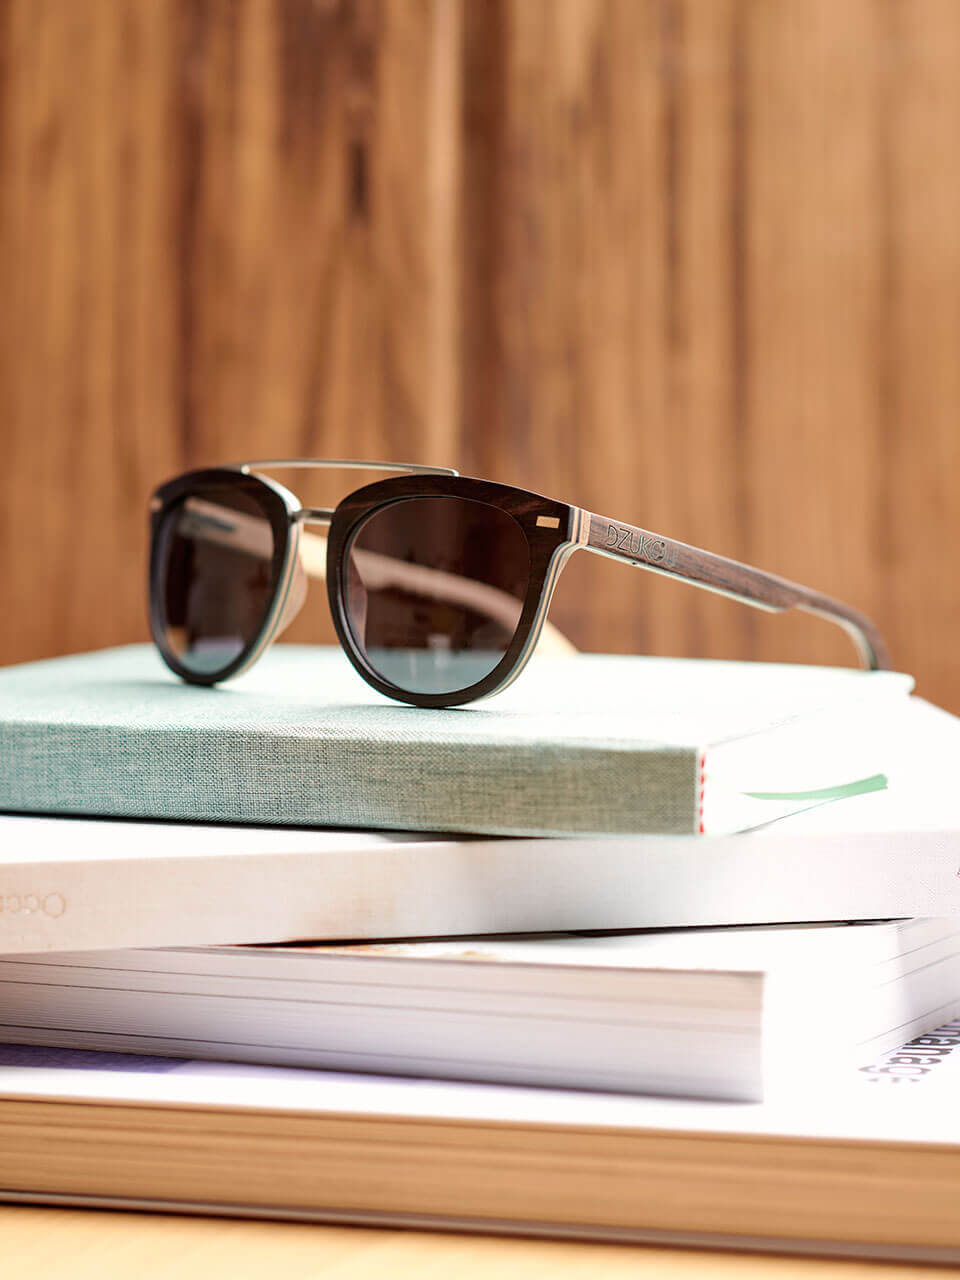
column 553, row 531
column 550, row 529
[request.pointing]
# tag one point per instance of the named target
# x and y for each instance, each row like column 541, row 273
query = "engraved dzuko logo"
column 641, row 545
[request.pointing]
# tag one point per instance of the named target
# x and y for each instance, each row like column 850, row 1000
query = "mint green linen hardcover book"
column 584, row 744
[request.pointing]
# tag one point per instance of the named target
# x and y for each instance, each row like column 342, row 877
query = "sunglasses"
column 438, row 584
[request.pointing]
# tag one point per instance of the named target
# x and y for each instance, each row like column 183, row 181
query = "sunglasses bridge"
column 314, row 515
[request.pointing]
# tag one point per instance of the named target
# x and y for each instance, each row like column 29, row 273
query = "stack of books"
column 640, row 950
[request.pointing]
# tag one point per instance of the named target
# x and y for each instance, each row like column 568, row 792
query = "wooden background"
column 691, row 263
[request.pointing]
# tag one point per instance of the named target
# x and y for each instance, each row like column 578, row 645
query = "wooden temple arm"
column 652, row 551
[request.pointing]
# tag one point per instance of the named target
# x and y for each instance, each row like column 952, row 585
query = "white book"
column 73, row 884
column 867, row 1163
column 719, row 1013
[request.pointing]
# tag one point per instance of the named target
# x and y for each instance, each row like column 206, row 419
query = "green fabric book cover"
column 584, row 744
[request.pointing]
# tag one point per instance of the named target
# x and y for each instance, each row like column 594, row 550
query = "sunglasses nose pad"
column 295, row 597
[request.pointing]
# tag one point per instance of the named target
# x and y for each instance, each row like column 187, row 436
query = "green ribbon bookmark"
column 862, row 786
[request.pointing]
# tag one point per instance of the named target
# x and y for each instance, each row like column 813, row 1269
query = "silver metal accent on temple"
column 580, row 530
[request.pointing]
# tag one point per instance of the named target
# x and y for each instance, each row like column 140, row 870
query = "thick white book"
column 867, row 1163
column 718, row 1013
column 72, row 884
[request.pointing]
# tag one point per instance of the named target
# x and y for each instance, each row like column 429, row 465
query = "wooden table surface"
column 76, row 1244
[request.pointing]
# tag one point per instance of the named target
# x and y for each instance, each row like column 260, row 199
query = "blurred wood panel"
column 691, row 263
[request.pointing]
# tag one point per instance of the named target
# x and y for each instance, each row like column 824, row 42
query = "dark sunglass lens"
column 216, row 567
column 434, row 589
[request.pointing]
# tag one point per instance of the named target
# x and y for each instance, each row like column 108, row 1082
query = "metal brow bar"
column 741, row 582
column 343, row 464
